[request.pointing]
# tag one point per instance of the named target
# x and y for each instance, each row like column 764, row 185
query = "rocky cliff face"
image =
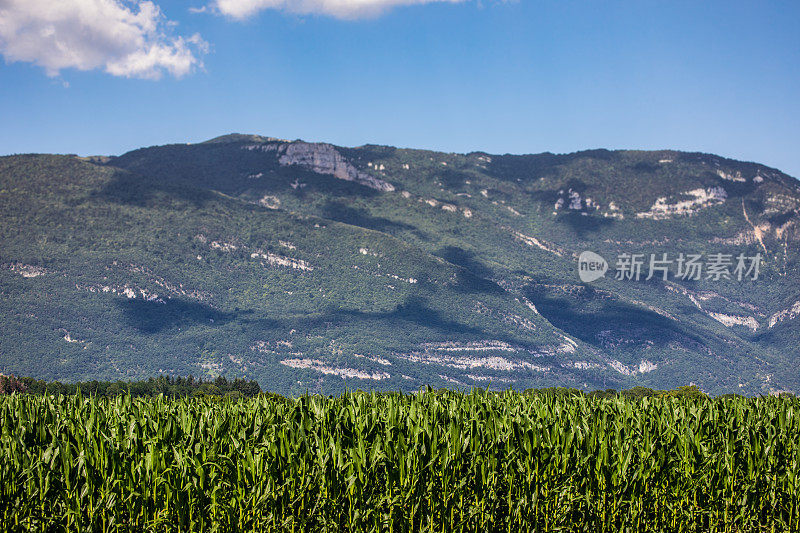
column 325, row 159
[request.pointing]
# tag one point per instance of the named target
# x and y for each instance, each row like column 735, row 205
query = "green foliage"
column 606, row 394
column 686, row 391
column 555, row 392
column 641, row 392
column 435, row 461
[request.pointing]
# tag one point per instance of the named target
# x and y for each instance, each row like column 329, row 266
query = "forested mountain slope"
column 313, row 267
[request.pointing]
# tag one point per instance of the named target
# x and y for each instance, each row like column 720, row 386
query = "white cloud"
column 346, row 9
column 129, row 38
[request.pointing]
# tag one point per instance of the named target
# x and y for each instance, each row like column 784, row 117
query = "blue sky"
column 518, row 77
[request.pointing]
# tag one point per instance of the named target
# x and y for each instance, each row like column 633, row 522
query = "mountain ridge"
column 238, row 137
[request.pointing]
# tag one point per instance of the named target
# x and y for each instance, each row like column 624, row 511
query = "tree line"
column 174, row 387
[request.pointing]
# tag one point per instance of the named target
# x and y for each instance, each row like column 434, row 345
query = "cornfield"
column 436, row 461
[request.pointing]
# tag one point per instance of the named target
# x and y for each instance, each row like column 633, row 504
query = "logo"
column 591, row 267
column 682, row 266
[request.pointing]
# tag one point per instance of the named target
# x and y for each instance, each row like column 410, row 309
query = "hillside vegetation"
column 309, row 267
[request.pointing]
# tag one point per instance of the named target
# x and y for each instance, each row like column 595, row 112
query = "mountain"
column 309, row 266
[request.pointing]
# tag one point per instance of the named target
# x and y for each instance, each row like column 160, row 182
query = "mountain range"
column 313, row 267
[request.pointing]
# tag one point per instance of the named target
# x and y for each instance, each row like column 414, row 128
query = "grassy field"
column 434, row 461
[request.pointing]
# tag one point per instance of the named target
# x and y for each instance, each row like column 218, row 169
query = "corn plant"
column 438, row 461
